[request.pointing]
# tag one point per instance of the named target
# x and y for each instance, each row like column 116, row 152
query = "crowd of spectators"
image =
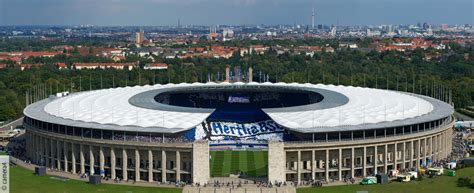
column 155, row 139
column 231, row 184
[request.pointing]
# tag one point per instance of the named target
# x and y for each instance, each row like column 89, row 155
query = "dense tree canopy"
column 405, row 71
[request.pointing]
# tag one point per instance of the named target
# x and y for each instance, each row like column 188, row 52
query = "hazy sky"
column 211, row 12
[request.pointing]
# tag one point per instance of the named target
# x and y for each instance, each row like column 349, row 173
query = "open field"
column 254, row 163
column 438, row 184
column 24, row 181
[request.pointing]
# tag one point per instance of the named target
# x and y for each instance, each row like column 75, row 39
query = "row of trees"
column 387, row 70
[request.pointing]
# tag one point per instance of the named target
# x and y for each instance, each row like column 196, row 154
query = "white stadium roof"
column 110, row 108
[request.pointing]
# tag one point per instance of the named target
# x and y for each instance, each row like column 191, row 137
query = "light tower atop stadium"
column 250, row 75
column 227, row 74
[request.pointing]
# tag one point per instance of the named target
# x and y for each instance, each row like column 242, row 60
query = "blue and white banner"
column 263, row 130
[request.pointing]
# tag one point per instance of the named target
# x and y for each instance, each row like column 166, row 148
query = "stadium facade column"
column 29, row 145
column 298, row 168
column 425, row 151
column 385, row 158
column 339, row 165
column 404, row 156
column 364, row 162
column 32, row 146
column 51, row 145
column 36, row 148
column 436, row 138
column 418, row 154
column 326, row 166
column 39, row 150
column 65, row 152
column 178, row 166
column 376, row 159
column 411, row 154
column 82, row 159
column 46, row 152
column 440, row 146
column 430, row 141
column 276, row 161
column 313, row 165
column 91, row 160
column 352, row 162
column 73, row 159
column 432, row 149
column 446, row 144
column 395, row 156
column 113, row 173
column 150, row 166
column 450, row 139
column 200, row 155
column 433, row 140
column 101, row 162
column 137, row 165
column 163, row 166
column 440, row 149
column 47, row 146
column 429, row 149
column 124, row 164
column 445, row 141
column 437, row 147
column 42, row 151
column 58, row 154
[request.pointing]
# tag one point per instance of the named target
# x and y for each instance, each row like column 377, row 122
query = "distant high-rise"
column 227, row 34
column 426, row 26
column 333, row 31
column 139, row 37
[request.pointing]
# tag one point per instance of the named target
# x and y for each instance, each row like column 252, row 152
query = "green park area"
column 24, row 181
column 437, row 184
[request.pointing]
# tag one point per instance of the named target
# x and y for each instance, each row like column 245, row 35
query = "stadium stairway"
column 244, row 189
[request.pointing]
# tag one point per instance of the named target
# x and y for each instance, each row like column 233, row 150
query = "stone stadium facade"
column 329, row 132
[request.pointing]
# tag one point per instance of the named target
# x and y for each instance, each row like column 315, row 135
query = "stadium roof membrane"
column 134, row 108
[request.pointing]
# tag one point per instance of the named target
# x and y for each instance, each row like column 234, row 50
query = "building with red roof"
column 80, row 66
column 156, row 66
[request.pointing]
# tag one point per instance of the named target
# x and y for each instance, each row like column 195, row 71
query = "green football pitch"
column 252, row 163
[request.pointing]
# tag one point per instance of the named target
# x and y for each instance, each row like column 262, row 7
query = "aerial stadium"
column 166, row 133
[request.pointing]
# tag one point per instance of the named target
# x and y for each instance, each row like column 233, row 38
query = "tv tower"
column 312, row 18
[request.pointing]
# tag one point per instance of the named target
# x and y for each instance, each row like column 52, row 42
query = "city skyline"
column 235, row 12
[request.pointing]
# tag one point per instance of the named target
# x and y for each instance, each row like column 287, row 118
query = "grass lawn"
column 254, row 163
column 24, row 181
column 441, row 184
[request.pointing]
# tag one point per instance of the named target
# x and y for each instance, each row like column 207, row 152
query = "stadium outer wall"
column 79, row 155
column 305, row 161
column 288, row 161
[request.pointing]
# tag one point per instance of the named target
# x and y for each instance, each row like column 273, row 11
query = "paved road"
column 12, row 124
column 460, row 116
